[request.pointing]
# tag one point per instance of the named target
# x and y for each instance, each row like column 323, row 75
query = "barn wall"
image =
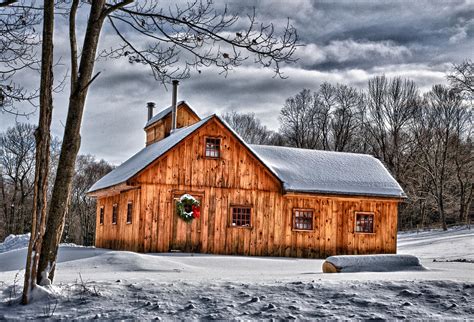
column 186, row 164
column 120, row 235
column 161, row 230
column 237, row 178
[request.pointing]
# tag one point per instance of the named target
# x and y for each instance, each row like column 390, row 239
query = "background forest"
column 424, row 139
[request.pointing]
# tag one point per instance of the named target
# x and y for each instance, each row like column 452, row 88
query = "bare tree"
column 461, row 147
column 43, row 139
column 434, row 126
column 249, row 127
column 327, row 101
column 17, row 161
column 177, row 39
column 82, row 210
column 18, row 42
column 344, row 122
column 461, row 78
column 391, row 104
column 299, row 120
column 327, row 119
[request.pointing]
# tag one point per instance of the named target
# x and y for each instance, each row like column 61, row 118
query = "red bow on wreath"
column 196, row 211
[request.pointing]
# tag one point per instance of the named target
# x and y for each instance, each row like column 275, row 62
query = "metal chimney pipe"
column 174, row 111
column 150, row 106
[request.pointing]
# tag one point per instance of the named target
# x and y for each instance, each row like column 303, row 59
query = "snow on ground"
column 13, row 242
column 105, row 284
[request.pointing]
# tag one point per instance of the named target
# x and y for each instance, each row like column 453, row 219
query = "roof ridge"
column 308, row 149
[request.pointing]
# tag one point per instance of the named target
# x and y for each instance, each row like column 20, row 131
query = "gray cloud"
column 345, row 42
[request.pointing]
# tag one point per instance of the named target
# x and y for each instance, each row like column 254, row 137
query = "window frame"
column 231, row 216
column 101, row 215
column 129, row 212
column 218, row 150
column 371, row 213
column 115, row 213
column 293, row 219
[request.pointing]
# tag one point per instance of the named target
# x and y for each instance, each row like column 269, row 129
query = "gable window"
column 129, row 212
column 303, row 219
column 101, row 215
column 364, row 222
column 213, row 146
column 114, row 213
column 241, row 216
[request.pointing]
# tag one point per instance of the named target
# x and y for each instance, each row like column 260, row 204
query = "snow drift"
column 371, row 263
column 13, row 242
column 94, row 283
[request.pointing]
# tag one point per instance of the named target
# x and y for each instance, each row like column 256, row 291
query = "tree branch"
column 115, row 7
column 6, row 3
column 73, row 43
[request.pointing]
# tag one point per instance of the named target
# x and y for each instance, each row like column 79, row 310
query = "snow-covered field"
column 104, row 284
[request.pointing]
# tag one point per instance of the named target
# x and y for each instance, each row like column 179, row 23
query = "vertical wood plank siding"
column 237, row 178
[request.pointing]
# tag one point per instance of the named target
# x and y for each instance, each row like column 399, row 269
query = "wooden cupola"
column 160, row 125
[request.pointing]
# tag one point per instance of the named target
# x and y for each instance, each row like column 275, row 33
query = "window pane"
column 365, row 223
column 213, row 147
column 114, row 214
column 101, row 217
column 241, row 216
column 303, row 219
column 129, row 213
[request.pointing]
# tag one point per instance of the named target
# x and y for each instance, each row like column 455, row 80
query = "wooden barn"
column 198, row 187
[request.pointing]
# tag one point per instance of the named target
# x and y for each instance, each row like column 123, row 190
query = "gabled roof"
column 144, row 157
column 163, row 113
column 298, row 170
column 150, row 153
column 315, row 171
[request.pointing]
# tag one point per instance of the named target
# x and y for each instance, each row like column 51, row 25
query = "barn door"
column 186, row 236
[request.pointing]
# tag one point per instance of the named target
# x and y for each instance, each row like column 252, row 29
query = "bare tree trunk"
column 42, row 136
column 442, row 212
column 71, row 142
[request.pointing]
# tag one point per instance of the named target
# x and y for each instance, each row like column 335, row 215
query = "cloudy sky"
column 344, row 42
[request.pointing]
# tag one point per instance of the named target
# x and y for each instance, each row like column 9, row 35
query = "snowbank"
column 13, row 242
column 371, row 263
column 103, row 284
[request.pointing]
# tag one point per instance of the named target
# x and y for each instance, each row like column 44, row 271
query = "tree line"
column 17, row 164
column 424, row 139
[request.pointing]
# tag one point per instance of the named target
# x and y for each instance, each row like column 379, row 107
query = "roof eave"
column 116, row 188
column 345, row 194
column 164, row 153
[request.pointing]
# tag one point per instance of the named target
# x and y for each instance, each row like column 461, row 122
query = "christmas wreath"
column 187, row 207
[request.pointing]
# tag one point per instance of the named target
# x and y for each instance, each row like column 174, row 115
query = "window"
column 114, row 213
column 101, row 215
column 241, row 216
column 364, row 222
column 213, row 147
column 129, row 212
column 303, row 219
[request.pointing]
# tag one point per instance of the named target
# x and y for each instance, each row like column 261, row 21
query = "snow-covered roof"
column 315, row 171
column 144, row 157
column 299, row 170
column 163, row 113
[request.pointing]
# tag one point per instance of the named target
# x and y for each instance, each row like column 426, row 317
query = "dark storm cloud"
column 345, row 42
